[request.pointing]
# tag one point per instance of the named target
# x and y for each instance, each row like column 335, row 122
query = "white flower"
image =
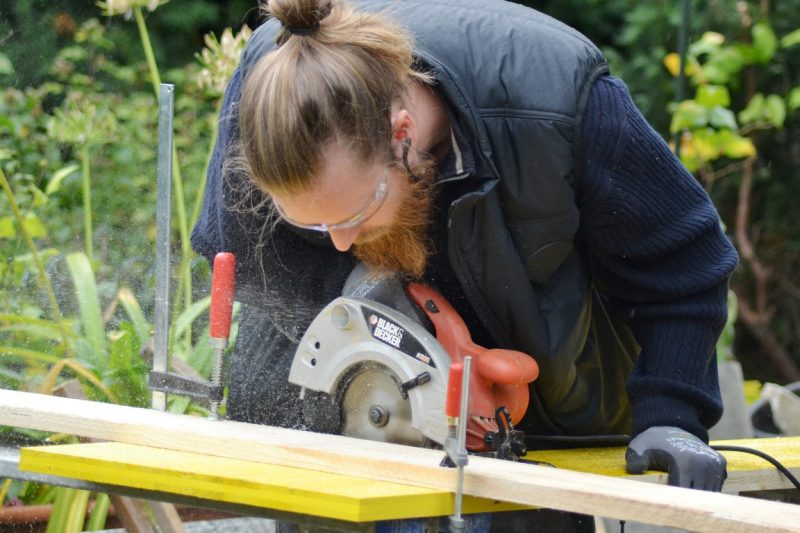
column 220, row 57
column 124, row 7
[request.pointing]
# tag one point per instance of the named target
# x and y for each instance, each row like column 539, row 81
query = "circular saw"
column 383, row 352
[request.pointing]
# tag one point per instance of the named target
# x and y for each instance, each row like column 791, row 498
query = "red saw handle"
column 222, row 286
column 452, row 406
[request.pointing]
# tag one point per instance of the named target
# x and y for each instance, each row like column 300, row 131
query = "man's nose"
column 343, row 239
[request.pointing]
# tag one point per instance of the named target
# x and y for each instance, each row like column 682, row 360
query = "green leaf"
column 55, row 182
column 746, row 52
column 711, row 96
column 688, row 115
column 722, row 117
column 708, row 43
column 97, row 519
column 202, row 356
column 735, row 146
column 775, row 110
column 126, row 369
column 188, row 316
column 36, row 328
column 32, row 357
column 134, row 312
column 34, row 226
column 178, row 404
column 794, row 99
column 76, row 514
column 89, row 304
column 723, row 64
column 765, row 42
column 754, row 111
column 7, row 230
column 791, row 39
column 6, row 67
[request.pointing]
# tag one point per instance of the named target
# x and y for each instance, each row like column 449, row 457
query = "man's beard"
column 405, row 245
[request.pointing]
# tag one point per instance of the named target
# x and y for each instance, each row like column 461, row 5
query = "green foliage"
column 742, row 119
column 32, row 31
column 87, row 131
column 710, row 125
column 93, row 112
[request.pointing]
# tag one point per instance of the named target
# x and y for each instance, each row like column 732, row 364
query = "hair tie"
column 307, row 30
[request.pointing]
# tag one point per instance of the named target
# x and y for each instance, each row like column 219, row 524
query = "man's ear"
column 404, row 129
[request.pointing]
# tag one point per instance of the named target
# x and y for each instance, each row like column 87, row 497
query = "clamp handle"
column 222, row 288
column 452, row 406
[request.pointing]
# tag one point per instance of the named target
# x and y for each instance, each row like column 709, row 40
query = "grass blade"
column 184, row 321
column 134, row 312
column 34, row 327
column 97, row 520
column 83, row 280
column 30, row 356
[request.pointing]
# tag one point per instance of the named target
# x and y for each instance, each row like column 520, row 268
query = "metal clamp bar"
column 168, row 382
column 163, row 234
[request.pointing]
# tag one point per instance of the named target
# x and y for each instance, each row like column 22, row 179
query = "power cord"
column 777, row 464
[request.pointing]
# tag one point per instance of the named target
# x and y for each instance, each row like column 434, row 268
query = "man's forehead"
column 341, row 170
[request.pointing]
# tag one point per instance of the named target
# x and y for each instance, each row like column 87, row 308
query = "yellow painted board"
column 746, row 472
column 237, row 481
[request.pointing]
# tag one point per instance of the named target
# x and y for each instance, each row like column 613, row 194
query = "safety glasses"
column 359, row 218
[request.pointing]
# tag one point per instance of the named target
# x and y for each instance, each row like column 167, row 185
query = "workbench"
column 297, row 494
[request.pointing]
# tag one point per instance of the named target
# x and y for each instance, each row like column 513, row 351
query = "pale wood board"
column 524, row 484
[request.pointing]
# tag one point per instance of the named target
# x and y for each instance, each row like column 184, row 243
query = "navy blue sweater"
column 653, row 242
column 657, row 251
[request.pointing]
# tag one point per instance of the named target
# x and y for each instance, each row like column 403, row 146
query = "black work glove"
column 690, row 462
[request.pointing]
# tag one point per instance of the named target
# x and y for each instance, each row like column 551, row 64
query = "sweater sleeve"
column 659, row 257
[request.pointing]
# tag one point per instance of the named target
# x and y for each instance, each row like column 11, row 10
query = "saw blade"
column 374, row 408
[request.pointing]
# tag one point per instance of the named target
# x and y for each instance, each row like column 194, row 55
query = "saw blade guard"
column 360, row 343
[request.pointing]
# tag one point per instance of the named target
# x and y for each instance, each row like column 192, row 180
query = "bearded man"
column 494, row 158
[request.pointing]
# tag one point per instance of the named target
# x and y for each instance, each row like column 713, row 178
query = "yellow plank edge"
column 746, row 472
column 237, row 481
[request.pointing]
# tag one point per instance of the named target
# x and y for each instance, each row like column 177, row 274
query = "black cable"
column 547, row 442
column 782, row 469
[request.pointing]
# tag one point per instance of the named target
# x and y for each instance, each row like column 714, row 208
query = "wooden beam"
column 524, row 484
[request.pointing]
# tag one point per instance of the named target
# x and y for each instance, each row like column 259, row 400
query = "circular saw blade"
column 373, row 408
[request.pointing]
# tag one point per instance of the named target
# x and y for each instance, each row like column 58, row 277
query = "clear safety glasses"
column 359, row 218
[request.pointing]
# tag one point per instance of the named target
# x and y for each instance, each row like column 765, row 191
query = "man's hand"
column 689, row 461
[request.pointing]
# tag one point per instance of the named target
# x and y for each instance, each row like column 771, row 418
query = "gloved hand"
column 689, row 461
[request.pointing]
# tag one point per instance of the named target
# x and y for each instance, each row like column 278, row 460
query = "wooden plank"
column 134, row 515
column 746, row 472
column 524, row 484
column 293, row 490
